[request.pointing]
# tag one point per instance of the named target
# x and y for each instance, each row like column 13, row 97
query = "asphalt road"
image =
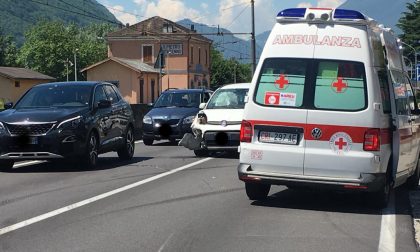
column 195, row 208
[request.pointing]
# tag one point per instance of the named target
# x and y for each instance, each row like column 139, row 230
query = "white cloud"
column 330, row 3
column 304, row 5
column 140, row 2
column 171, row 9
column 204, row 6
column 122, row 16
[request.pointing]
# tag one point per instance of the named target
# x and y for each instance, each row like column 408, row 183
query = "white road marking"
column 165, row 243
column 27, row 163
column 387, row 238
column 17, row 165
column 96, row 198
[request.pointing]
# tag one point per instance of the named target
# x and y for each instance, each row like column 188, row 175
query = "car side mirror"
column 202, row 105
column 8, row 105
column 104, row 104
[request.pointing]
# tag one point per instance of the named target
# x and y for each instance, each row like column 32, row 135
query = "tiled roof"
column 23, row 73
column 133, row 64
column 153, row 27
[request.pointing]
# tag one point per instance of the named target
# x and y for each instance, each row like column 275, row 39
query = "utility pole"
column 253, row 53
column 75, row 64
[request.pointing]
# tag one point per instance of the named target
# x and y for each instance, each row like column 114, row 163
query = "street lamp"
column 75, row 64
column 411, row 66
column 415, row 56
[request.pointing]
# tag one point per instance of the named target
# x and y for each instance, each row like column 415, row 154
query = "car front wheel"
column 91, row 155
column 126, row 152
column 257, row 191
column 6, row 165
column 201, row 153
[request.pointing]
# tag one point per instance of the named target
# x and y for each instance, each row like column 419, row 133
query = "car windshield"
column 191, row 100
column 56, row 96
column 228, row 99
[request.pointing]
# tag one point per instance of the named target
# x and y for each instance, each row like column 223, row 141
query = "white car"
column 218, row 124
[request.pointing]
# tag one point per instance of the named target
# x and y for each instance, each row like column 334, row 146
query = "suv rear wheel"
column 257, row 191
column 91, row 156
column 6, row 165
column 126, row 152
column 148, row 141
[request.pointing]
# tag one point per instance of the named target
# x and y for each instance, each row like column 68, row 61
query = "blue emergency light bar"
column 348, row 14
column 292, row 13
column 338, row 13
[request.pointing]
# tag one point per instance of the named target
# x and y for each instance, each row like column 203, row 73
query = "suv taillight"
column 246, row 132
column 372, row 140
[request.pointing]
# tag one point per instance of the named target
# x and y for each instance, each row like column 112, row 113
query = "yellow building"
column 15, row 81
column 186, row 56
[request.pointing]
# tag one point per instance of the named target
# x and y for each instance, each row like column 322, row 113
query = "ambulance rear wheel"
column 257, row 191
column 380, row 198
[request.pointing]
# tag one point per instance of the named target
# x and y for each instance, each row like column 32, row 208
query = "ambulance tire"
column 413, row 181
column 380, row 198
column 256, row 191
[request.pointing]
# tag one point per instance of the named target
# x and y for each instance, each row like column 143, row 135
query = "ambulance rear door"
column 340, row 113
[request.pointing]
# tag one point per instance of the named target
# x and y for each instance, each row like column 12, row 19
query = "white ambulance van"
column 330, row 106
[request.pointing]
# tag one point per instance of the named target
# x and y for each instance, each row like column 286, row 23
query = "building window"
column 147, row 53
column 168, row 28
column 206, row 57
column 17, row 83
column 141, row 91
column 192, row 56
column 199, row 55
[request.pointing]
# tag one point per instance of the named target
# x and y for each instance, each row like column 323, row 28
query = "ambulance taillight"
column 246, row 132
column 372, row 140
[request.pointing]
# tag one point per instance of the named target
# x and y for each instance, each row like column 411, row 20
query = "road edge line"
column 96, row 198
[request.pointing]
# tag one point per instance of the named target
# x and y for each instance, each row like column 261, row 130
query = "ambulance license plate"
column 278, row 138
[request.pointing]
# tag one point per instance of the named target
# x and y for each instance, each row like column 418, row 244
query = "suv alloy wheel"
column 126, row 152
column 91, row 155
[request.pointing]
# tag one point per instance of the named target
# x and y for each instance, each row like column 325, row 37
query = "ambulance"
column 330, row 106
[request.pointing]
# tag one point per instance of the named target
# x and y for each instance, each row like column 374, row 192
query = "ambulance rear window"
column 312, row 84
column 340, row 85
column 281, row 82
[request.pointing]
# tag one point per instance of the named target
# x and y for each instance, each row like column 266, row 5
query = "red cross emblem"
column 282, row 81
column 340, row 143
column 339, row 86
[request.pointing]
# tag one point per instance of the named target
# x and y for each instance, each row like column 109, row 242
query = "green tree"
column 49, row 44
column 409, row 23
column 223, row 71
column 8, row 50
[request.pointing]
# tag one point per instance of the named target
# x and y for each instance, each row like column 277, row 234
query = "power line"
column 240, row 13
column 233, row 6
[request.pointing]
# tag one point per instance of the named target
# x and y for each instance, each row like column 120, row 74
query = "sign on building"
column 174, row 49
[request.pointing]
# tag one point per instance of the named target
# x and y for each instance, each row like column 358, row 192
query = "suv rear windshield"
column 178, row 99
column 312, row 84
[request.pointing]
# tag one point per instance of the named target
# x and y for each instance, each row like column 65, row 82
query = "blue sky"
column 230, row 14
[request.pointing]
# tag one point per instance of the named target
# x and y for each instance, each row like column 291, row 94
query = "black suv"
column 66, row 120
column 172, row 114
